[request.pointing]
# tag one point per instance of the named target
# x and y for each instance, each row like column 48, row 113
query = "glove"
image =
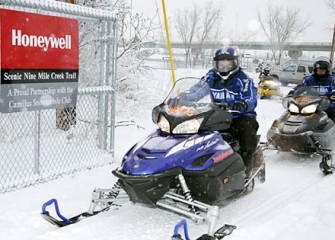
column 183, row 96
column 240, row 106
column 173, row 102
column 179, row 100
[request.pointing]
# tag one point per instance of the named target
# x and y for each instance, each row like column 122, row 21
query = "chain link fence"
column 39, row 146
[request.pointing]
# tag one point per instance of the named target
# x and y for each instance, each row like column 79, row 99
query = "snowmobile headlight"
column 188, row 127
column 163, row 124
column 293, row 108
column 310, row 108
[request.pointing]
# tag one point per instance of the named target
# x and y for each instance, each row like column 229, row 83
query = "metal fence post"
column 113, row 84
column 101, row 107
column 107, row 38
column 37, row 142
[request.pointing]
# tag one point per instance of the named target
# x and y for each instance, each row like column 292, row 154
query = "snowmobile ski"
column 104, row 198
column 222, row 232
column 65, row 221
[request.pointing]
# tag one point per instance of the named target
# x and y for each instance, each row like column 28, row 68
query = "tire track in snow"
column 294, row 192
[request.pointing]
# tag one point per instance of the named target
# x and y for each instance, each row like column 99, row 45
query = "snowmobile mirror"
column 286, row 101
column 219, row 120
column 324, row 103
column 155, row 113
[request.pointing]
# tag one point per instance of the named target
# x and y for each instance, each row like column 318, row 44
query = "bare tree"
column 197, row 25
column 135, row 29
column 281, row 26
column 331, row 4
column 187, row 23
column 211, row 17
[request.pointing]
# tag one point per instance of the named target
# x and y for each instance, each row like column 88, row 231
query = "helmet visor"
column 225, row 66
column 321, row 65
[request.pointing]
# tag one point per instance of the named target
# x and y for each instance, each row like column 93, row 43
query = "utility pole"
column 131, row 17
column 236, row 28
column 168, row 42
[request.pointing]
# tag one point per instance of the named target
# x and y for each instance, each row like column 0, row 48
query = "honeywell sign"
column 39, row 61
column 44, row 42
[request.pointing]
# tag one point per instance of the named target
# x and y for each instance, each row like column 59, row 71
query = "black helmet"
column 266, row 70
column 226, row 61
column 322, row 63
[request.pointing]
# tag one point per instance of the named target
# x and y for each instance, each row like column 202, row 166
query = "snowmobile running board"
column 267, row 146
column 253, row 176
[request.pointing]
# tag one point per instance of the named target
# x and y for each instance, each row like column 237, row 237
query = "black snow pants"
column 244, row 129
column 331, row 113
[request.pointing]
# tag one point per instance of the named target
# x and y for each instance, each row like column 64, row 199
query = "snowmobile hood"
column 159, row 153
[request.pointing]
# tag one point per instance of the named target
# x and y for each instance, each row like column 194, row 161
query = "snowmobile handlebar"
column 224, row 106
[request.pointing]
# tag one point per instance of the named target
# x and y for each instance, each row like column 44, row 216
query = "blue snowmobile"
column 190, row 159
column 189, row 166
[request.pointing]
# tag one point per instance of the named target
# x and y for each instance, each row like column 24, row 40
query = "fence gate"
column 37, row 146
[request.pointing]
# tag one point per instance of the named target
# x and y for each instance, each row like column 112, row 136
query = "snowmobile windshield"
column 189, row 109
column 308, row 94
column 188, row 97
column 307, row 100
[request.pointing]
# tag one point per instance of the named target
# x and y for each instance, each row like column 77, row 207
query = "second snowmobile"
column 305, row 127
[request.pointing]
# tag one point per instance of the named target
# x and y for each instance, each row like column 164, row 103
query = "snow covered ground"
column 296, row 202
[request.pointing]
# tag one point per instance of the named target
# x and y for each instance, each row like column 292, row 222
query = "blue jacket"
column 324, row 85
column 239, row 87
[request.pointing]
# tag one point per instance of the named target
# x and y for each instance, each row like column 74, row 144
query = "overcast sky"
column 241, row 15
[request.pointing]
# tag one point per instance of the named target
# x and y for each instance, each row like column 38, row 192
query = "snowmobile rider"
column 265, row 74
column 229, row 84
column 321, row 81
column 266, row 71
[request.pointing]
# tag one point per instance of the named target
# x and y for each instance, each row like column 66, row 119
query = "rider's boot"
column 247, row 159
column 325, row 167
